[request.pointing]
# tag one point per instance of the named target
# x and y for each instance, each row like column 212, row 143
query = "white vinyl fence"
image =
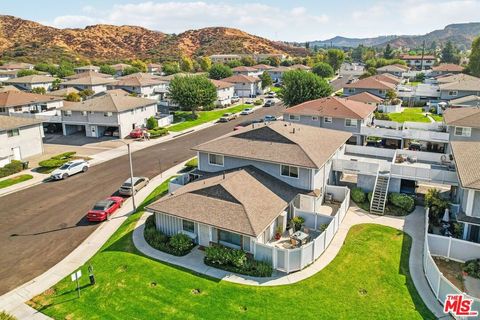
column 455, row 249
column 289, row 260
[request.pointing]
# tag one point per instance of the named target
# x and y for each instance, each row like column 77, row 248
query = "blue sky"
column 277, row 20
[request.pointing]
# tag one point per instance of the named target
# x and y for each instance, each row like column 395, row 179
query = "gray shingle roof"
column 11, row 122
column 467, row 158
column 110, row 103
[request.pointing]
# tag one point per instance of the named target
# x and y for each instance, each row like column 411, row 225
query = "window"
column 293, row 117
column 351, row 90
column 17, row 109
column 381, row 91
column 3, row 110
column 350, row 123
column 314, row 118
column 229, row 238
column 327, row 120
column 13, row 133
column 188, row 226
column 67, row 113
column 215, row 159
column 289, row 171
column 107, row 114
column 452, row 93
column 463, row 131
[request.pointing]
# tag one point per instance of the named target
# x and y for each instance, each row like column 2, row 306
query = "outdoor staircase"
column 380, row 192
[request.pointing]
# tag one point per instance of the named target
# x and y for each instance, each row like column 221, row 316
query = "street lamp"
column 131, row 172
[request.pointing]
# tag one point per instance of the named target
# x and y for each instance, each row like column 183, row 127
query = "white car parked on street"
column 246, row 111
column 69, row 169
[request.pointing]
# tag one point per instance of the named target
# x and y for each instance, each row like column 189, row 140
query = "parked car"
column 227, row 117
column 111, row 132
column 235, row 99
column 269, row 118
column 69, row 169
column 249, row 102
column 102, row 210
column 137, row 133
column 270, row 96
column 246, row 111
column 138, row 184
column 269, row 103
column 272, row 93
column 277, row 85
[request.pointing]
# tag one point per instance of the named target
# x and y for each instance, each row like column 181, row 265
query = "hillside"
column 31, row 41
column 460, row 34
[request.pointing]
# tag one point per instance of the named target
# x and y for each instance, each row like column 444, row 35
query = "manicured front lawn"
column 413, row 83
column 203, row 117
column 275, row 89
column 409, row 114
column 369, row 279
column 437, row 117
column 11, row 181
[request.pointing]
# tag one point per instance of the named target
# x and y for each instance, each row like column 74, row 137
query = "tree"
column 130, row 70
column 474, row 64
column 234, row 63
column 219, row 71
column 450, row 53
column 266, row 80
column 247, row 61
column 390, row 94
column 388, row 53
column 152, row 123
column 433, row 46
column 274, row 61
column 186, row 64
column 56, row 84
column 420, row 77
column 142, row 66
column 170, row 68
column 323, row 70
column 286, row 63
column 39, row 90
column 26, row 72
column 192, row 92
column 300, row 86
column 264, row 61
column 64, row 70
column 358, row 52
column 335, row 58
column 86, row 93
column 205, row 63
column 107, row 69
column 73, row 97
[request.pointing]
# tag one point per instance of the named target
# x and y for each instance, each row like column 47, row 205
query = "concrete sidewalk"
column 13, row 302
column 37, row 179
column 413, row 225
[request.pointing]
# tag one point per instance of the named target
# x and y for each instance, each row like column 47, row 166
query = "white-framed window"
column 350, row 122
column 13, row 132
column 463, row 131
column 381, row 91
column 453, row 93
column 188, row 226
column 351, row 90
column 314, row 118
column 293, row 117
column 107, row 114
column 215, row 159
column 327, row 120
column 289, row 171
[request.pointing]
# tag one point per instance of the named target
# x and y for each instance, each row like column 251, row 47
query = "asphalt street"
column 43, row 224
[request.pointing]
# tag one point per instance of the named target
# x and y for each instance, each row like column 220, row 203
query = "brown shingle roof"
column 334, row 107
column 279, row 142
column 448, row 67
column 455, row 78
column 35, row 78
column 89, row 67
column 19, row 98
column 262, row 67
column 393, row 68
column 365, row 97
column 244, row 69
column 245, row 201
column 241, row 78
column 371, row 83
column 110, row 103
column 221, row 84
column 63, row 92
column 467, row 157
column 463, row 117
column 11, row 122
column 465, row 85
column 120, row 66
column 137, row 82
column 88, row 81
column 471, row 100
column 9, row 88
column 16, row 66
column 386, row 77
column 141, row 75
column 88, row 74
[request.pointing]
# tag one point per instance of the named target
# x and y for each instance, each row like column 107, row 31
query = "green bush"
column 297, row 222
column 258, row 102
column 158, row 132
column 6, row 316
column 152, row 123
column 472, row 267
column 181, row 243
column 192, row 163
column 178, row 245
column 13, row 167
column 358, row 195
column 402, row 201
column 369, row 197
column 58, row 160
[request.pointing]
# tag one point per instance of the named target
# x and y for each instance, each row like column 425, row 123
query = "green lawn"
column 11, row 181
column 203, row 117
column 409, row 114
column 437, row 117
column 369, row 279
column 413, row 83
column 275, row 89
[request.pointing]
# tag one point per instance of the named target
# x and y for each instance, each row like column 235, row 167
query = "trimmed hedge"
column 236, row 261
column 158, row 132
column 57, row 161
column 358, row 195
column 192, row 163
column 177, row 245
column 402, row 201
column 13, row 167
column 258, row 102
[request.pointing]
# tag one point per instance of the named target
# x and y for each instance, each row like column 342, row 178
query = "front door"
column 93, row 130
column 16, row 153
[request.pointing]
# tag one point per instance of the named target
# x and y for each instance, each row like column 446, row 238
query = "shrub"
column 192, row 163
column 297, row 222
column 178, row 245
column 181, row 243
column 402, row 201
column 472, row 267
column 158, row 132
column 13, row 167
column 358, row 195
column 65, row 155
column 258, row 102
column 57, row 161
column 436, row 204
column 369, row 197
column 382, row 116
column 152, row 123
column 6, row 316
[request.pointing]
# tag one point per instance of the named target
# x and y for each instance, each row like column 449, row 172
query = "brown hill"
column 31, row 41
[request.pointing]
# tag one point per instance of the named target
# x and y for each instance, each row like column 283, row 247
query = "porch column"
column 469, row 205
column 465, row 231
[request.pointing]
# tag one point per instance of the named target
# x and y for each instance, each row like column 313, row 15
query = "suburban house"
column 463, row 123
column 377, row 85
column 465, row 102
column 94, row 116
column 277, row 73
column 459, row 89
column 393, row 69
column 262, row 68
column 448, row 78
column 419, row 61
column 446, row 68
column 300, row 67
column 89, row 74
column 223, row 58
column 20, row 138
column 63, row 92
column 119, row 68
column 225, row 92
column 86, row 69
column 141, row 86
column 9, row 88
column 263, row 56
column 94, row 83
column 249, row 184
column 333, row 113
column 246, row 71
column 7, row 74
column 366, row 97
column 31, row 82
column 16, row 66
column 245, row 86
column 19, row 102
column 154, row 68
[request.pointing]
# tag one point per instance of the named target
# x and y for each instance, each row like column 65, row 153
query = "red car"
column 102, row 210
column 137, row 133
